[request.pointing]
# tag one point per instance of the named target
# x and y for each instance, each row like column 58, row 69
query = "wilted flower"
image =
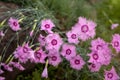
column 45, row 73
column 77, row 62
column 68, row 51
column 14, row 24
column 47, row 25
column 111, row 75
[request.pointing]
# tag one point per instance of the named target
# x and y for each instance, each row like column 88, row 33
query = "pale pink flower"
column 45, row 73
column 31, row 33
column 87, row 29
column 111, row 75
column 47, row 25
column 113, row 26
column 54, row 57
column 72, row 36
column 116, row 42
column 14, row 24
column 77, row 62
column 42, row 40
column 53, row 41
column 68, row 51
column 94, row 67
column 40, row 56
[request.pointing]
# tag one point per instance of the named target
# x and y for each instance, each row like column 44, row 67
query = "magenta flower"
column 2, row 78
column 87, row 29
column 31, row 33
column 54, row 57
column 42, row 40
column 72, row 36
column 68, row 51
column 2, row 34
column 22, row 53
column 40, row 56
column 45, row 73
column 14, row 24
column 53, row 41
column 111, row 75
column 94, row 67
column 116, row 42
column 77, row 62
column 113, row 26
column 47, row 25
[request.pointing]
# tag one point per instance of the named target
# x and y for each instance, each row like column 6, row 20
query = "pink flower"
column 47, row 25
column 72, row 36
column 116, row 42
column 40, row 56
column 45, row 73
column 54, row 57
column 113, row 26
column 111, row 75
column 87, row 28
column 77, row 62
column 53, row 41
column 42, row 40
column 94, row 67
column 68, row 51
column 22, row 53
column 2, row 34
column 2, row 78
column 14, row 24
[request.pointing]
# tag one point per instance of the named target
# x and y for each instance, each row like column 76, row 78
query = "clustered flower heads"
column 52, row 49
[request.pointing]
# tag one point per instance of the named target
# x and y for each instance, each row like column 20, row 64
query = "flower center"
column 25, row 49
column 93, row 65
column 99, row 47
column 116, row 43
column 110, row 75
column 15, row 24
column 77, row 61
column 95, row 56
column 54, row 42
column 54, row 58
column 68, row 51
column 84, row 28
column 73, row 36
column 47, row 26
column 38, row 55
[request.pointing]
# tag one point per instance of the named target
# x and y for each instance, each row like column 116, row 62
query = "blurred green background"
column 66, row 13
